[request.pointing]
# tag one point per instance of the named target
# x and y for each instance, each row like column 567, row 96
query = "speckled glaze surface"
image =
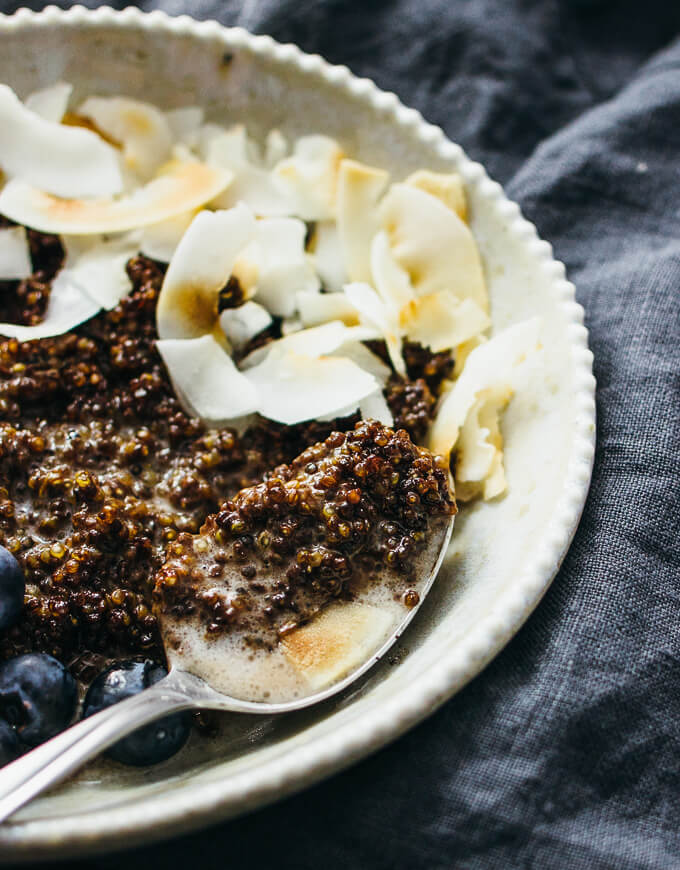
column 504, row 554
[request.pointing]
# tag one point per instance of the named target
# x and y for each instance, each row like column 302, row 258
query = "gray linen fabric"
column 564, row 753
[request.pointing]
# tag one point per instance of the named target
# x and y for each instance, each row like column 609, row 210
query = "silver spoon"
column 59, row 757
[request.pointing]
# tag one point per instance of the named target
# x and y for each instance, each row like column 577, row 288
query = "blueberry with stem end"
column 38, row 696
column 12, row 588
column 9, row 743
column 148, row 745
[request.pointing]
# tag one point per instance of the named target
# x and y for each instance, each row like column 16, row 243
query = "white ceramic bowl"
column 504, row 554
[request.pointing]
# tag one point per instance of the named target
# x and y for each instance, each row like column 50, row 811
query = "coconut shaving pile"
column 335, row 252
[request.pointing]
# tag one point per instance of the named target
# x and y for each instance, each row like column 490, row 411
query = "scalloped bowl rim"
column 190, row 806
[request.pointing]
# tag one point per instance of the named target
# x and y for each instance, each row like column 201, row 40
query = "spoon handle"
column 52, row 762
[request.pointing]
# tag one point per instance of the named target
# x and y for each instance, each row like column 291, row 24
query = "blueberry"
column 9, row 743
column 37, row 696
column 153, row 743
column 12, row 587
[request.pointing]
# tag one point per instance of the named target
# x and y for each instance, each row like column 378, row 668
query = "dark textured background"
column 564, row 753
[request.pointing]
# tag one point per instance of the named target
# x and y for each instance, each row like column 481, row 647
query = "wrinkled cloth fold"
column 564, row 752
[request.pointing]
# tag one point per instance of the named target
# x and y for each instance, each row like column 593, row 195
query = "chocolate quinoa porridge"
column 103, row 477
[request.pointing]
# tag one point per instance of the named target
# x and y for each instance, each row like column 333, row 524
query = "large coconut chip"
column 15, row 255
column 441, row 321
column 200, row 268
column 365, row 359
column 68, row 306
column 433, row 244
column 389, row 278
column 180, row 188
column 253, row 182
column 328, row 256
column 51, row 102
column 313, row 342
column 375, row 407
column 318, row 308
column 359, row 190
column 309, row 177
column 98, row 266
column 447, row 187
column 283, row 268
column 374, row 314
column 242, row 324
column 295, row 387
column 141, row 129
column 206, row 380
column 488, row 371
column 479, row 449
column 159, row 241
column 60, row 160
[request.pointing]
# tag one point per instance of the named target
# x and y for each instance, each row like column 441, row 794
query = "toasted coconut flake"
column 318, row 308
column 433, row 244
column 389, row 278
column 375, row 407
column 283, row 267
column 200, row 268
column 447, row 187
column 309, row 177
column 315, row 341
column 159, row 241
column 64, row 161
column 206, row 380
column 339, row 413
column 365, row 359
column 336, row 642
column 441, row 321
column 253, row 183
column 185, row 124
column 290, row 325
column 15, row 255
column 275, row 148
column 67, row 307
column 181, row 188
column 328, row 338
column 487, row 375
column 243, row 323
column 479, row 451
column 359, row 190
column 50, row 103
column 328, row 256
column 374, row 313
column 463, row 351
column 141, row 129
column 295, row 387
column 98, row 266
